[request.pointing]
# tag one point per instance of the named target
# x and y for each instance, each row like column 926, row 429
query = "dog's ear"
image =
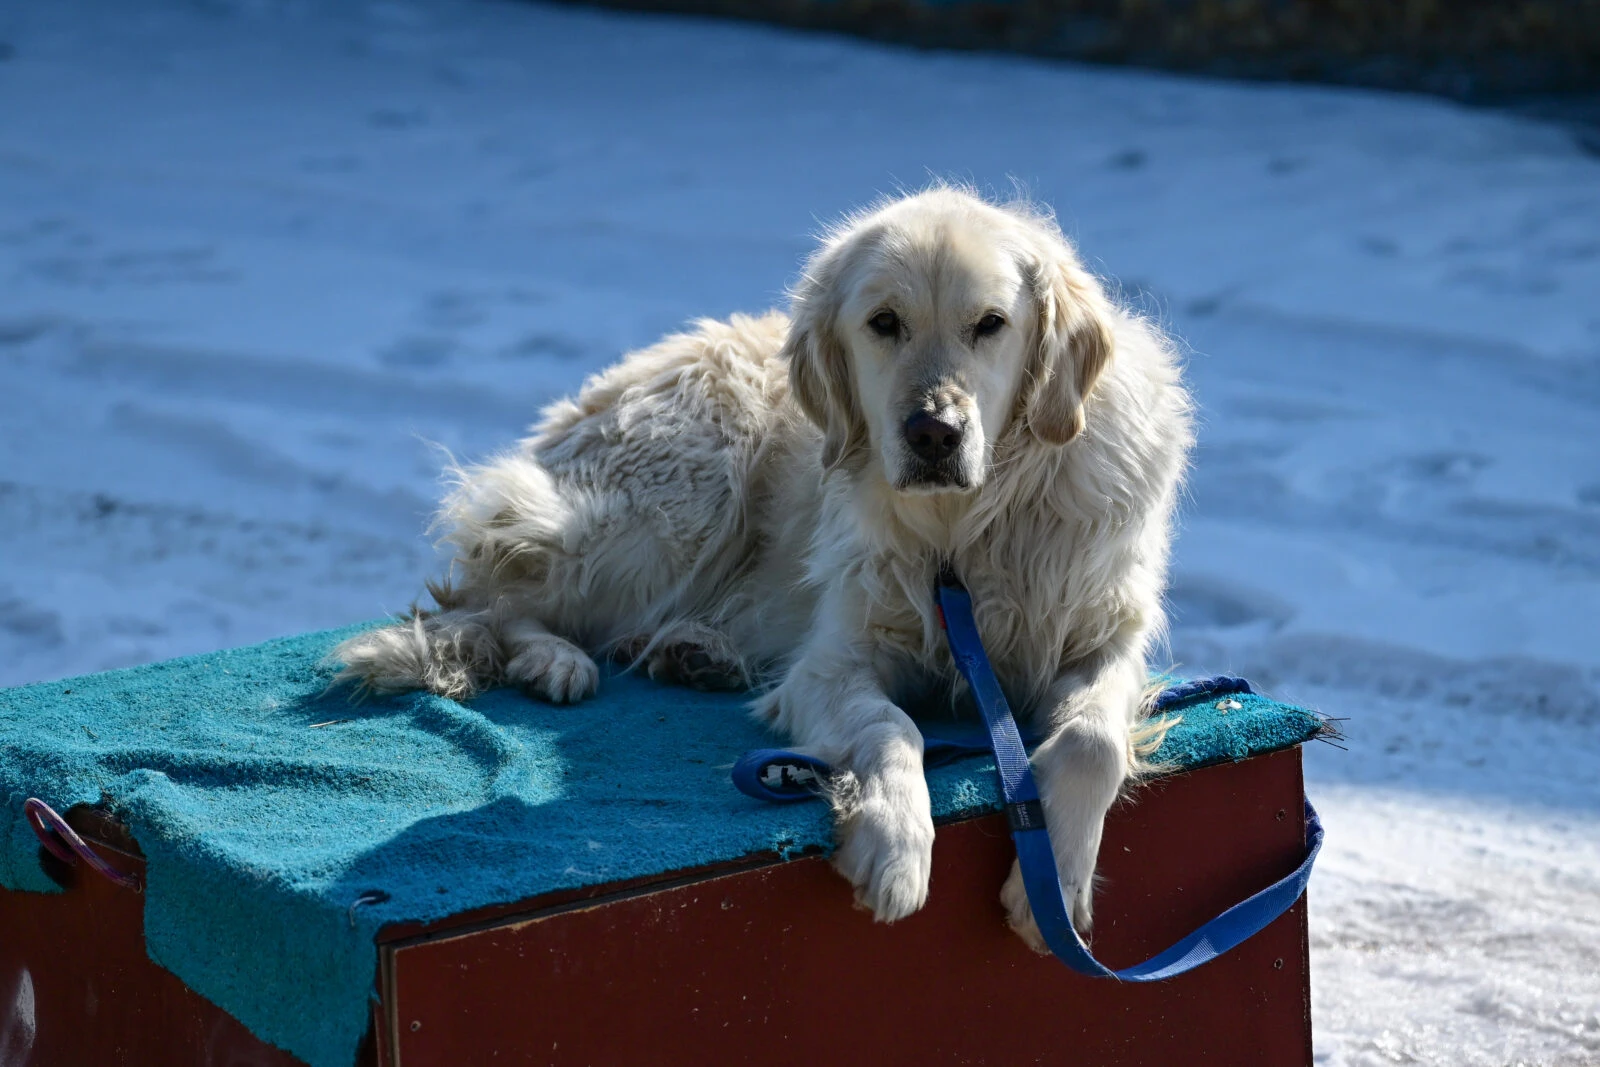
column 819, row 368
column 1074, row 343
column 819, row 378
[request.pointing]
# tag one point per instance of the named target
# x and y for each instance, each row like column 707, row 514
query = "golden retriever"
column 768, row 501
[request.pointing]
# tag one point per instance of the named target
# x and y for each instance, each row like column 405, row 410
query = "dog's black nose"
column 931, row 438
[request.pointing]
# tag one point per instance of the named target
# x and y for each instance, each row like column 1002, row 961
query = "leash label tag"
column 1025, row 815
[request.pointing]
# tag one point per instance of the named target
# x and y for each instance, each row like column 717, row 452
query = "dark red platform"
column 756, row 962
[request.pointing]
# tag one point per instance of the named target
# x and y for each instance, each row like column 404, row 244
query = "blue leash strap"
column 783, row 776
column 1037, row 859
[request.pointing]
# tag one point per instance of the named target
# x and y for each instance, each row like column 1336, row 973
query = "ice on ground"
column 262, row 261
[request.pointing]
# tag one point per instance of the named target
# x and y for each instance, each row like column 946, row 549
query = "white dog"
column 766, row 498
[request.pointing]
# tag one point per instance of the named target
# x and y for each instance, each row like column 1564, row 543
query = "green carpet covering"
column 268, row 806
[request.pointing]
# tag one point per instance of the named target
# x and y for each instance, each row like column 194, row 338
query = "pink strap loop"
column 65, row 844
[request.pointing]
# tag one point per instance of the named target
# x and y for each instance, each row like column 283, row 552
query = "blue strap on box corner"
column 784, row 776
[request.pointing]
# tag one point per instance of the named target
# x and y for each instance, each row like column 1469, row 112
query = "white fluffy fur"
column 737, row 504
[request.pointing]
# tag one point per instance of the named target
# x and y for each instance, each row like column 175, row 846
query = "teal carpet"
column 267, row 807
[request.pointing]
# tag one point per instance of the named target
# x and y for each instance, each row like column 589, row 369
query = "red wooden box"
column 760, row 961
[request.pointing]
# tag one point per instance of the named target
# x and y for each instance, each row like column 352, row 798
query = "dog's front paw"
column 1077, row 886
column 886, row 844
column 555, row 669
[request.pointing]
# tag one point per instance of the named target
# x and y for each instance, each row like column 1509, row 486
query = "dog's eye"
column 885, row 324
column 989, row 325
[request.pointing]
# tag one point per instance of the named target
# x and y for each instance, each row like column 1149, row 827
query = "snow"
column 260, row 261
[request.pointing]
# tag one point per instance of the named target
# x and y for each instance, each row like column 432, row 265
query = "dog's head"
column 927, row 329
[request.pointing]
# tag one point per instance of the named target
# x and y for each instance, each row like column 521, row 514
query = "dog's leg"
column 546, row 665
column 691, row 654
column 834, row 706
column 1079, row 770
column 451, row 653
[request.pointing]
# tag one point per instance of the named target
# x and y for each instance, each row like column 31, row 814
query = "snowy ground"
column 255, row 255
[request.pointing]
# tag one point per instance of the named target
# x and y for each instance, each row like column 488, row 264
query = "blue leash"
column 777, row 775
